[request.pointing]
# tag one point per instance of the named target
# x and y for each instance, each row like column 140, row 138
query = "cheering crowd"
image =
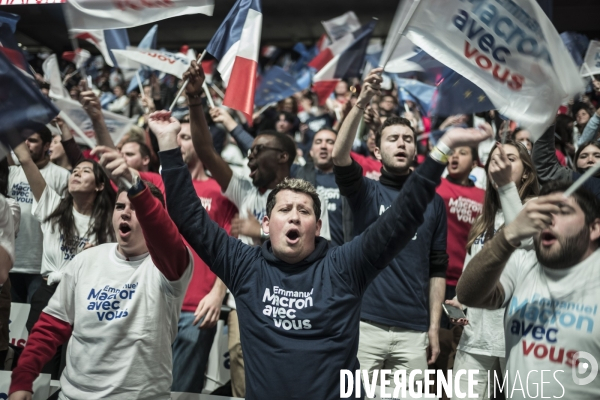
column 335, row 233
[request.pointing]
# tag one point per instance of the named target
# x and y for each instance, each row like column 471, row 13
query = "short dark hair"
column 391, row 121
column 289, row 117
column 590, row 205
column 144, row 149
column 44, row 132
column 286, row 143
column 295, row 185
column 153, row 189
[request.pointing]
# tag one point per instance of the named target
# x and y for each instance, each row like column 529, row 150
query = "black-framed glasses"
column 256, row 150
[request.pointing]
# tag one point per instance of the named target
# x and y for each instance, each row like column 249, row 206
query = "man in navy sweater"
column 298, row 300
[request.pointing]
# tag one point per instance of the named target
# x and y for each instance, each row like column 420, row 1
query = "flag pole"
column 209, row 98
column 410, row 13
column 588, row 70
column 185, row 83
column 582, row 179
column 219, row 91
column 264, row 108
column 141, row 88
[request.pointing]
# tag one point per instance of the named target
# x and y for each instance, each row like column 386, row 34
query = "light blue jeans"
column 190, row 354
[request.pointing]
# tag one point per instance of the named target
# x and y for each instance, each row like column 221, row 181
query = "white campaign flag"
column 52, row 77
column 591, row 63
column 340, row 26
column 95, row 37
column 174, row 64
column 84, row 15
column 508, row 48
column 398, row 54
column 117, row 125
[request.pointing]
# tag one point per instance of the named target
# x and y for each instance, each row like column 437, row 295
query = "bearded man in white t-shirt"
column 25, row 276
column 117, row 305
column 551, row 295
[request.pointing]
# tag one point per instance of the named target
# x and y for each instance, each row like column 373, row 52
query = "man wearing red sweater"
column 118, row 306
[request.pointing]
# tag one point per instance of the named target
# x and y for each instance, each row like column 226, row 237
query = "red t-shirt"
column 463, row 206
column 220, row 210
column 371, row 168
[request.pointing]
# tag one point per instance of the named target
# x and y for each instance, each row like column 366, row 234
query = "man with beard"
column 550, row 294
column 25, row 276
column 401, row 309
column 270, row 159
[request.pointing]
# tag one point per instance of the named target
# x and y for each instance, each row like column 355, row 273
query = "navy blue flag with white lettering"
column 276, row 84
column 458, row 95
column 23, row 107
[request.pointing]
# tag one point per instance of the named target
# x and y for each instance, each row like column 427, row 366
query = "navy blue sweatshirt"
column 299, row 324
column 400, row 295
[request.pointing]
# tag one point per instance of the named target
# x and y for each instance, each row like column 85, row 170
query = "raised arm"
column 243, row 139
column 347, row 133
column 37, row 183
column 72, row 150
column 544, row 159
column 91, row 105
column 201, row 136
column 479, row 284
column 590, row 130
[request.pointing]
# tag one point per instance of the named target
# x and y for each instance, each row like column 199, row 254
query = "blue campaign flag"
column 577, row 45
column 413, row 90
column 353, row 58
column 116, row 39
column 276, row 84
column 458, row 95
column 149, row 40
column 11, row 50
column 9, row 19
column 23, row 107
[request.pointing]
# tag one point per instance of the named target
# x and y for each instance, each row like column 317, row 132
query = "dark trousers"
column 23, row 286
column 39, row 301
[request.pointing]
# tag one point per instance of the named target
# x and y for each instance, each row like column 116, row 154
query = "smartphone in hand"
column 453, row 312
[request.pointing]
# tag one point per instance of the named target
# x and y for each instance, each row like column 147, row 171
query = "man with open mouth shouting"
column 298, row 300
column 117, row 305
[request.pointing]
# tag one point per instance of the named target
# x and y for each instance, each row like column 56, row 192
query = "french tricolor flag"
column 236, row 45
column 344, row 64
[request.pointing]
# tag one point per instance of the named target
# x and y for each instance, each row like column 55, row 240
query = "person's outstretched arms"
column 201, row 137
column 211, row 242
column 37, row 183
column 386, row 237
column 479, row 284
column 544, row 159
column 347, row 133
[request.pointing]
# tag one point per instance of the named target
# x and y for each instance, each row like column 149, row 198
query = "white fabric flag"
column 83, row 15
column 591, row 63
column 52, row 77
column 508, row 49
column 117, row 125
column 163, row 61
column 95, row 37
column 340, row 26
column 398, row 55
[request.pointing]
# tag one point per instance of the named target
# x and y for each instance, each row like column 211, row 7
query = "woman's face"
column 118, row 91
column 589, row 156
column 524, row 137
column 82, row 179
column 56, row 148
column 512, row 153
column 582, row 117
column 288, row 105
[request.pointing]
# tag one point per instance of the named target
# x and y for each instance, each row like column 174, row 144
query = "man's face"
column 589, row 156
column 37, row 149
column 133, row 157
column 283, row 125
column 266, row 156
column 563, row 244
column 292, row 226
column 184, row 140
column 371, row 142
column 128, row 231
column 397, row 149
column 322, row 148
column 387, row 103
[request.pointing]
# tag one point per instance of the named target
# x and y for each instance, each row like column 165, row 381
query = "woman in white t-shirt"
column 71, row 224
column 511, row 181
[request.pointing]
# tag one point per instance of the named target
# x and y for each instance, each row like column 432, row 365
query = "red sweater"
column 463, row 206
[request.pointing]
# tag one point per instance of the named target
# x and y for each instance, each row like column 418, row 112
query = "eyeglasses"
column 256, row 150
